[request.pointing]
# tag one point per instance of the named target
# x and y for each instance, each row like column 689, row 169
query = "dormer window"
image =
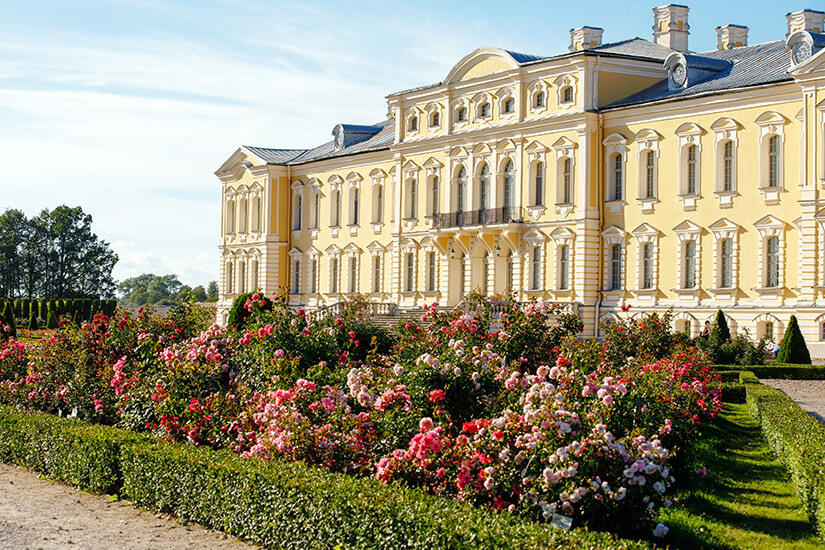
column 567, row 94
column 461, row 114
column 412, row 124
column 509, row 105
column 435, row 120
column 484, row 110
column 539, row 100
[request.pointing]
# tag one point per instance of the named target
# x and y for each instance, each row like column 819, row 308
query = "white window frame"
column 726, row 129
column 725, row 230
column 534, row 89
column 690, row 136
column 771, row 124
column 563, row 83
column 615, row 145
column 563, row 238
column 648, row 144
column 646, row 234
column 767, row 228
column 611, row 236
column 687, row 232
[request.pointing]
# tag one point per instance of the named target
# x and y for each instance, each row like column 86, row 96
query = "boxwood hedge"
column 797, row 439
column 276, row 504
column 791, row 372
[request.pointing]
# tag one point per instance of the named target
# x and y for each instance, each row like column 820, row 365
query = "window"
column 316, row 210
column 727, row 166
column 296, row 222
column 461, row 114
column 434, row 191
column 410, row 279
column 230, row 217
column 376, row 273
column 768, row 330
column 378, row 204
column 333, row 275
column 254, row 274
column 484, row 192
column 772, row 262
column 647, row 266
column 242, row 277
column 539, row 183
column 509, row 105
column 539, row 100
column 353, row 275
column 356, row 194
column 230, row 278
column 564, row 267
column 313, row 276
column 536, row 268
column 650, row 174
column 510, row 261
column 484, row 110
column 618, row 177
column 462, row 190
column 726, row 263
column 256, row 214
column 462, row 274
column 509, row 186
column 566, row 181
column 485, row 274
column 431, row 271
column 244, row 215
column 435, row 120
column 296, row 277
column 412, row 124
column 689, row 280
column 616, row 267
column 773, row 161
column 412, row 199
column 336, row 208
column 691, row 170
column 567, row 94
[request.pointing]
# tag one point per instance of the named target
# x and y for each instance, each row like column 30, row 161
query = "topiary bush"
column 720, row 332
column 793, row 348
column 239, row 312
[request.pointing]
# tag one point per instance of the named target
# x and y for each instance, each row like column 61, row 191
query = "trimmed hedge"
column 273, row 503
column 798, row 441
column 790, row 372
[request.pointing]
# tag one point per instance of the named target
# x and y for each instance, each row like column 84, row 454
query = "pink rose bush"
column 501, row 406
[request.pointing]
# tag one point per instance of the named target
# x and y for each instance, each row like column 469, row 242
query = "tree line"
column 163, row 290
column 54, row 255
column 36, row 314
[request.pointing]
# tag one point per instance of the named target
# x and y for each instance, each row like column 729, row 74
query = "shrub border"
column 797, row 440
column 271, row 503
column 790, row 372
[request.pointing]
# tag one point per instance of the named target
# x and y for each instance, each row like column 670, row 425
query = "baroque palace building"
column 636, row 172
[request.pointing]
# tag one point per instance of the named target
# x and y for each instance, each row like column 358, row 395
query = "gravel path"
column 810, row 394
column 36, row 513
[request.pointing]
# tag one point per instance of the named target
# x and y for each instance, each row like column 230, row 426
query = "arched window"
column 539, row 99
column 484, row 110
column 230, row 217
column 509, row 184
column 244, row 215
column 484, row 192
column 461, row 193
column 412, row 124
column 435, row 120
column 567, row 94
column 509, row 105
column 461, row 114
column 230, row 278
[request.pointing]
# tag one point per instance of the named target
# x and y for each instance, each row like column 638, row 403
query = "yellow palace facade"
column 635, row 172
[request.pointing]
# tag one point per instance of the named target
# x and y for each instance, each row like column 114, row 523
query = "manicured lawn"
column 746, row 499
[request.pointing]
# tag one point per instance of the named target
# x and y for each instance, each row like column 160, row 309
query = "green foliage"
column 720, row 333
column 8, row 320
column 797, row 440
column 239, row 312
column 51, row 322
column 212, row 291
column 646, row 338
column 790, row 372
column 734, row 351
column 793, row 348
column 33, row 325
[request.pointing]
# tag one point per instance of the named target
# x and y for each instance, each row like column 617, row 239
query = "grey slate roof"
column 384, row 134
column 752, row 66
column 635, row 47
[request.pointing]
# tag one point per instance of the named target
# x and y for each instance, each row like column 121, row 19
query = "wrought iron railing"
column 487, row 216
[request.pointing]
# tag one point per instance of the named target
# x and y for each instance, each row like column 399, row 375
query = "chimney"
column 805, row 20
column 731, row 36
column 584, row 38
column 670, row 26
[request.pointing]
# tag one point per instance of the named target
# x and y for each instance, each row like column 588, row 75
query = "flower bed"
column 525, row 419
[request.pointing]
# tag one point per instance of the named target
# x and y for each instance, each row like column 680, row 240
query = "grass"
column 745, row 501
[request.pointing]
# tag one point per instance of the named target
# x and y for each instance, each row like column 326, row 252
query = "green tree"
column 150, row 289
column 212, row 291
column 793, row 348
column 51, row 322
column 720, row 332
column 8, row 320
column 33, row 325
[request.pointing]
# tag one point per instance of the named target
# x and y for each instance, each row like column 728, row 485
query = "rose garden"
column 488, row 429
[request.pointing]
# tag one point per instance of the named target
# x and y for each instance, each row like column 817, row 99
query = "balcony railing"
column 489, row 216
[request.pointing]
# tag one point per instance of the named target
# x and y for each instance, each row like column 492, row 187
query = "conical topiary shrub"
column 8, row 320
column 720, row 332
column 51, row 322
column 793, row 348
column 33, row 325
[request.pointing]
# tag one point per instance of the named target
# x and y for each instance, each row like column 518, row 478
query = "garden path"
column 809, row 394
column 41, row 514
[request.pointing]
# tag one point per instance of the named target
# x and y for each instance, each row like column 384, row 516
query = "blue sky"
column 127, row 107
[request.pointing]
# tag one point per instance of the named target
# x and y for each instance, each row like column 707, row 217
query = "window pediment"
column 534, row 237
column 690, row 129
column 614, row 235
column 725, row 123
column 724, row 228
column 771, row 118
column 647, row 136
column 646, row 233
column 562, row 235
column 505, row 145
column 770, row 226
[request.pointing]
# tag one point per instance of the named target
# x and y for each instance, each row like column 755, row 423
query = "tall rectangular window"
column 539, row 182
column 333, row 275
column 355, row 196
column 773, row 161
column 296, row 278
column 536, row 268
column 691, row 170
column 690, row 264
column 509, row 270
column 616, row 267
column 353, row 275
column 772, row 262
column 435, row 195
column 431, row 271
column 727, row 178
column 313, row 276
column 647, row 266
column 726, row 263
column 618, row 178
column 410, row 272
column 567, row 181
column 564, row 267
column 230, row 278
column 336, row 208
column 376, row 273
column 650, row 174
